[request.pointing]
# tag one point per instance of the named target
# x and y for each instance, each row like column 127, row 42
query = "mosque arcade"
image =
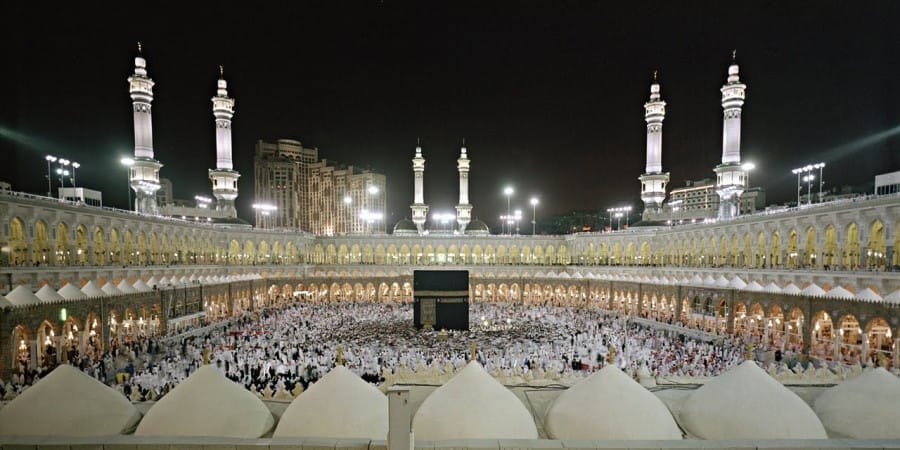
column 820, row 275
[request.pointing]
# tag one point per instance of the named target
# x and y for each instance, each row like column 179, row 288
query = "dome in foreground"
column 340, row 405
column 68, row 402
column 473, row 405
column 610, row 405
column 207, row 404
column 864, row 407
column 405, row 227
column 478, row 228
column 747, row 403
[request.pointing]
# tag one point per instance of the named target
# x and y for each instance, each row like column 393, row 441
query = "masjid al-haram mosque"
column 135, row 329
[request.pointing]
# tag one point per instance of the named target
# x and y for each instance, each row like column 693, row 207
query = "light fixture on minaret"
column 419, row 208
column 654, row 180
column 144, row 174
column 463, row 209
column 731, row 176
column 224, row 178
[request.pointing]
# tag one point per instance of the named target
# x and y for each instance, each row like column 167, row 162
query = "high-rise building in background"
column 318, row 196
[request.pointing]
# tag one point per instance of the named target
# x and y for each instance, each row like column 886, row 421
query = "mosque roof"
column 477, row 226
column 473, row 405
column 746, row 403
column 864, row 407
column 405, row 226
column 207, row 404
column 111, row 289
column 340, row 405
column 48, row 294
column 125, row 287
column 21, row 295
column 91, row 290
column 140, row 286
column 68, row 402
column 609, row 405
column 70, row 292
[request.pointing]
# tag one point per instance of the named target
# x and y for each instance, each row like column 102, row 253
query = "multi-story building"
column 345, row 199
column 698, row 200
column 281, row 172
column 315, row 195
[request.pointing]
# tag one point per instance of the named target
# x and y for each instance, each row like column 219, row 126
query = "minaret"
column 654, row 180
column 731, row 177
column 145, row 170
column 463, row 209
column 419, row 208
column 224, row 178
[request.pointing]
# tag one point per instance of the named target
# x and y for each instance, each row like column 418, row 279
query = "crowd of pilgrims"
column 285, row 349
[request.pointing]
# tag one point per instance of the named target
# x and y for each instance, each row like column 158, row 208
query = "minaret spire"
column 419, row 208
column 654, row 180
column 463, row 209
column 224, row 178
column 731, row 177
column 144, row 173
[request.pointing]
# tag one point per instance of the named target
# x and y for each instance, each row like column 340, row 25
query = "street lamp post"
column 508, row 191
column 63, row 173
column 534, row 203
column 202, row 201
column 265, row 210
column 370, row 217
column 618, row 212
column 75, row 165
column 517, row 216
column 50, row 159
column 808, row 178
column 821, row 180
column 128, row 162
column 444, row 219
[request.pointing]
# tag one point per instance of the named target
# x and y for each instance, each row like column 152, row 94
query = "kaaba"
column 441, row 299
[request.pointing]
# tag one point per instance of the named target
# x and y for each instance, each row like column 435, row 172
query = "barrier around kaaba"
column 441, row 299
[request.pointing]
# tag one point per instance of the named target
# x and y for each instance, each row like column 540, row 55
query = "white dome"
column 738, row 283
column 70, row 292
column 754, row 286
column 111, row 289
column 21, row 295
column 869, row 294
column 609, row 405
column 47, row 294
column 140, row 286
column 68, row 402
column 125, row 287
column 746, row 403
column 340, row 405
column 207, row 404
column 91, row 290
column 813, row 290
column 473, row 405
column 792, row 289
column 864, row 407
column 839, row 292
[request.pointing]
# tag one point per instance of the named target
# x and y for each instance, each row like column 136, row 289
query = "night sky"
column 549, row 96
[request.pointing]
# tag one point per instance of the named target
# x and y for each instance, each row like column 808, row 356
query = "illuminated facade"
column 315, row 195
